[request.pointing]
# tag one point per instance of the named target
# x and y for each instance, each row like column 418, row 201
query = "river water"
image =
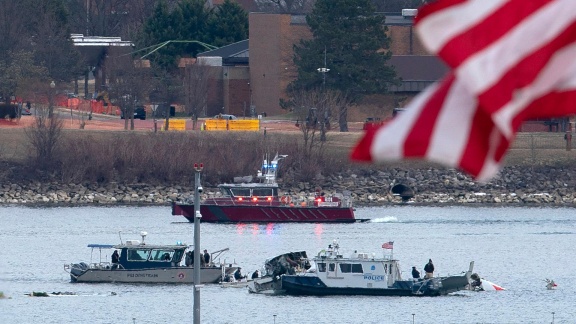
column 517, row 248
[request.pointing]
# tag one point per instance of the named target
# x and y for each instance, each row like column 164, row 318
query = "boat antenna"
column 120, row 235
column 143, row 234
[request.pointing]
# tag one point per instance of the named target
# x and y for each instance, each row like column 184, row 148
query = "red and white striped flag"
column 388, row 245
column 511, row 60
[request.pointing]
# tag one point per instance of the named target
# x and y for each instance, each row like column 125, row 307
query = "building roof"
column 233, row 54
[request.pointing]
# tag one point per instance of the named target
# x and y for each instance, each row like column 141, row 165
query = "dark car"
column 139, row 113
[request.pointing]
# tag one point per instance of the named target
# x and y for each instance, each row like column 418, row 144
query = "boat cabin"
column 358, row 270
column 134, row 255
column 249, row 191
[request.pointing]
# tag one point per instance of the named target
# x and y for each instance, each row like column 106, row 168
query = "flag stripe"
column 560, row 64
column 487, row 68
column 488, row 31
column 441, row 21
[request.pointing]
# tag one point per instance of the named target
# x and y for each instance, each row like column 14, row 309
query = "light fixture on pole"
column 324, row 70
column 51, row 99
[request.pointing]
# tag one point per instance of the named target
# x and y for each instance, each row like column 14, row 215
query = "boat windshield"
column 263, row 192
column 138, row 255
column 240, row 192
column 161, row 255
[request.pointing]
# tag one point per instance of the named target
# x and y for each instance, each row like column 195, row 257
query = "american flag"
column 388, row 245
column 511, row 60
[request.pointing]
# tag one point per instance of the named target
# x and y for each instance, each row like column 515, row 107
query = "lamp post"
column 51, row 99
column 197, row 191
column 323, row 70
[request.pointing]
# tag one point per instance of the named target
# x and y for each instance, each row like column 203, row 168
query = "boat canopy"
column 101, row 246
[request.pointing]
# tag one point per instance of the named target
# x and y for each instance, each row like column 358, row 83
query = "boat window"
column 331, row 266
column 138, row 255
column 262, row 192
column 357, row 268
column 240, row 192
column 345, row 267
column 161, row 255
column 225, row 192
column 322, row 267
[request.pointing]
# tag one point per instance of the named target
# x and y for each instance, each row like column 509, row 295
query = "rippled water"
column 515, row 247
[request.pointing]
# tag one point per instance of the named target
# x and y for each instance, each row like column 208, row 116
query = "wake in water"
column 387, row 219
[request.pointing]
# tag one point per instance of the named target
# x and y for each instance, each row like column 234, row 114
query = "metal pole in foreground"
column 197, row 191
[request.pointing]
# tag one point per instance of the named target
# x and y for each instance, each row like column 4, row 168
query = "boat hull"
column 266, row 214
column 168, row 275
column 311, row 285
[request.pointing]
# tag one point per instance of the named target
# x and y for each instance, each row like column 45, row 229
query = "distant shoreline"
column 516, row 186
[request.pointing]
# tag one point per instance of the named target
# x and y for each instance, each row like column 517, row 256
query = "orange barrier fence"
column 96, row 106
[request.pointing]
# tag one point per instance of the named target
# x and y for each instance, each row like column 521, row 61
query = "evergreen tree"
column 161, row 27
column 229, row 24
column 350, row 40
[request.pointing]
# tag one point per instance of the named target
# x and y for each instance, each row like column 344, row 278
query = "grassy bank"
column 131, row 157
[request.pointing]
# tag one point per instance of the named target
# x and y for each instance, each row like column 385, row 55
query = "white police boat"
column 364, row 274
column 140, row 262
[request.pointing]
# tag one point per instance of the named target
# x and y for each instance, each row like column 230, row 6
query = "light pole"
column 324, row 70
column 51, row 99
column 197, row 191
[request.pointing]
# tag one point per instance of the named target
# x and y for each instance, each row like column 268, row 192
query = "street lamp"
column 51, row 99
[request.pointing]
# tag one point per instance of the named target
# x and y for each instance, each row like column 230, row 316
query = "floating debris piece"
column 38, row 294
column 550, row 284
column 54, row 293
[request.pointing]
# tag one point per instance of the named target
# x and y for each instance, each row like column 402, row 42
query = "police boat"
column 364, row 274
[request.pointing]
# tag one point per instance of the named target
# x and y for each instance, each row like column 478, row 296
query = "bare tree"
column 167, row 89
column 196, row 77
column 129, row 83
column 45, row 134
column 316, row 111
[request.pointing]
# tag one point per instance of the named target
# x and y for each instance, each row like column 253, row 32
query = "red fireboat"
column 249, row 202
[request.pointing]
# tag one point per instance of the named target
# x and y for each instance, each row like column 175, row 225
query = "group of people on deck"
column 204, row 258
column 428, row 269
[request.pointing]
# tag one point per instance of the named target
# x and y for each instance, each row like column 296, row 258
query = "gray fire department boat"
column 146, row 263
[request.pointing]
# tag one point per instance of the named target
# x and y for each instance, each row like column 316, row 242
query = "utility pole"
column 197, row 191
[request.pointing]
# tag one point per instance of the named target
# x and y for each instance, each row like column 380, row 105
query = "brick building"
column 253, row 79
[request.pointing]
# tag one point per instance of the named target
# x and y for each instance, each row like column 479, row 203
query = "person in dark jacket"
column 429, row 269
column 255, row 275
column 238, row 274
column 415, row 273
column 206, row 258
column 115, row 256
column 115, row 259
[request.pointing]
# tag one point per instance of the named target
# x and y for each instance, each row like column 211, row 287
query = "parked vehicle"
column 225, row 116
column 139, row 113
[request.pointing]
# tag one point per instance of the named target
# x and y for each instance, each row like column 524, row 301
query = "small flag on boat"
column 388, row 245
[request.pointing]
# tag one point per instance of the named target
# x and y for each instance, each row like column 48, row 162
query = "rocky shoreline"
column 514, row 186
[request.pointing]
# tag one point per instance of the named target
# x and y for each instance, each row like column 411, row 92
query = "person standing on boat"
column 206, row 257
column 429, row 269
column 189, row 261
column 415, row 273
column 115, row 259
